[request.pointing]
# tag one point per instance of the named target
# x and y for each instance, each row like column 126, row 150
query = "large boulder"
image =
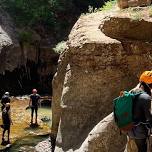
column 104, row 137
column 94, row 69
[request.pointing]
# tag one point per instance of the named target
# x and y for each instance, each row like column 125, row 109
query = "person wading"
column 142, row 116
column 34, row 103
column 7, row 121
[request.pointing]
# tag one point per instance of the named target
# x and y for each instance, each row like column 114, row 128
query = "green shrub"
column 107, row 6
column 55, row 16
column 60, row 47
column 27, row 13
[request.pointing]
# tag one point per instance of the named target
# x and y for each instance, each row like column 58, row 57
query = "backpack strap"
column 116, row 120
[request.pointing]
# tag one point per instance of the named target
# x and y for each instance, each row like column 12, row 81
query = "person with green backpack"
column 132, row 111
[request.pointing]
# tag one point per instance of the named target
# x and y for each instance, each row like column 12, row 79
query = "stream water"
column 27, row 144
column 23, row 136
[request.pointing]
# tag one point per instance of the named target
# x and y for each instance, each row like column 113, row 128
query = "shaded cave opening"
column 23, row 79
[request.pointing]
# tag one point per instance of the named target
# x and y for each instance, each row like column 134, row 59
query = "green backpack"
column 123, row 110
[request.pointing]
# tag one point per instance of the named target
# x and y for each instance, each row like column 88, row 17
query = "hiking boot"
column 8, row 142
column 36, row 122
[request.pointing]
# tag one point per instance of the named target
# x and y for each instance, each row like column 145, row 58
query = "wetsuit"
column 5, row 99
column 141, row 113
column 34, row 98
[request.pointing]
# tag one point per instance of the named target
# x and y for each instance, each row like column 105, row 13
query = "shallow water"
column 23, row 136
column 27, row 144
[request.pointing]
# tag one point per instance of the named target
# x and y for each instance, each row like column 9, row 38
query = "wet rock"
column 45, row 119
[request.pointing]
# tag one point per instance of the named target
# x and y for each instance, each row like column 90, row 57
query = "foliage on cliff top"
column 56, row 16
column 109, row 5
column 60, row 47
column 27, row 12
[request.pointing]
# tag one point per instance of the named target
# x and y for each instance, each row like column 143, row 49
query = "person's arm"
column 147, row 108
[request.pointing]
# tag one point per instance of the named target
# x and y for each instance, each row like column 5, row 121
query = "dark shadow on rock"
column 53, row 142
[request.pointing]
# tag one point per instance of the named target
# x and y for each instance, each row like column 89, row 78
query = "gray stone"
column 104, row 137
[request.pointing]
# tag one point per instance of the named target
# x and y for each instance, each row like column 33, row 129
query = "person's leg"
column 32, row 111
column 8, row 134
column 3, row 134
column 141, row 144
column 36, row 109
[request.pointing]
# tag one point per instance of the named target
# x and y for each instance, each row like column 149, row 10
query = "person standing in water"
column 34, row 103
column 7, row 121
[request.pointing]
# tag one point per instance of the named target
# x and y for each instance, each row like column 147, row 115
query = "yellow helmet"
column 146, row 77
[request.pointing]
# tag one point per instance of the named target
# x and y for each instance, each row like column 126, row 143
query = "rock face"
column 23, row 65
column 105, row 136
column 93, row 70
column 132, row 3
column 7, row 39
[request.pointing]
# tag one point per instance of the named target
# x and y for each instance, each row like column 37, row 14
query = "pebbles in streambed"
column 44, row 146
